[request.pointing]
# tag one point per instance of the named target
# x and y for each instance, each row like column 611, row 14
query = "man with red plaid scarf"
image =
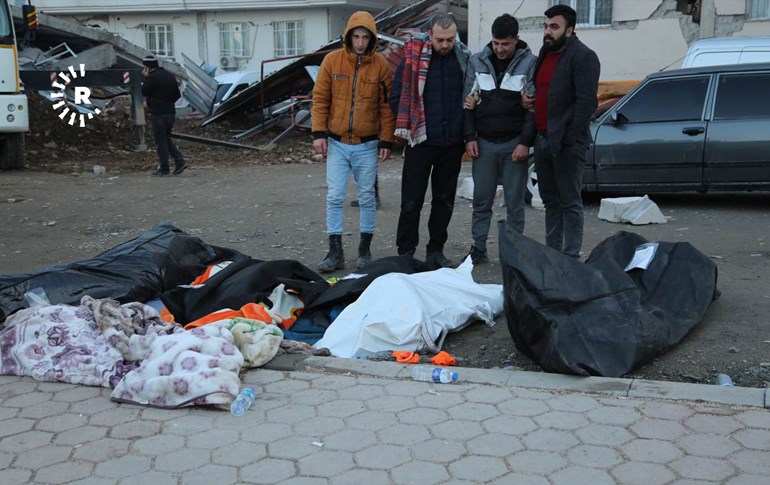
column 427, row 98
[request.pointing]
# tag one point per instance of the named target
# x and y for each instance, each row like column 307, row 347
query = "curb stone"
column 617, row 387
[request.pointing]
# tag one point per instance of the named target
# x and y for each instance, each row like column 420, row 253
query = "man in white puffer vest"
column 494, row 117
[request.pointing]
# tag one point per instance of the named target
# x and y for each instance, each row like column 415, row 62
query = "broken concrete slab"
column 95, row 59
column 465, row 191
column 53, row 29
column 644, row 212
column 612, row 209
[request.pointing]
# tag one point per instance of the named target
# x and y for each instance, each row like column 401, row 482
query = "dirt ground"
column 270, row 205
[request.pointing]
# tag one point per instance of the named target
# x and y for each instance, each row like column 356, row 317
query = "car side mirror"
column 618, row 118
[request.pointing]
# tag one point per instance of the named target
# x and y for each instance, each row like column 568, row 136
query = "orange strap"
column 406, row 357
column 443, row 358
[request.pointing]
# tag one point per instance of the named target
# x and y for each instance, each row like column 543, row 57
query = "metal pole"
column 708, row 15
column 262, row 75
column 137, row 109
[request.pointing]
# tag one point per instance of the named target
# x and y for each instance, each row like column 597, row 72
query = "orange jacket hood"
column 365, row 20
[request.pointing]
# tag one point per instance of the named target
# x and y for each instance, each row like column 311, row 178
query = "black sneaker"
column 181, row 169
column 160, row 173
column 437, row 259
column 478, row 256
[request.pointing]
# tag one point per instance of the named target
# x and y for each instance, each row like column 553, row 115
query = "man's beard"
column 555, row 44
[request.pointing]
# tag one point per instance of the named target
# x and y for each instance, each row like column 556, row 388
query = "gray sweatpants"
column 493, row 167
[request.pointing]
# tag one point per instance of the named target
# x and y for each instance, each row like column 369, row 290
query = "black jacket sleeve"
column 585, row 75
column 148, row 86
column 395, row 92
column 469, row 127
column 529, row 131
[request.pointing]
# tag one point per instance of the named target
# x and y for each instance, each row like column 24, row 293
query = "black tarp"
column 347, row 290
column 164, row 260
column 252, row 281
column 246, row 281
column 136, row 270
column 594, row 318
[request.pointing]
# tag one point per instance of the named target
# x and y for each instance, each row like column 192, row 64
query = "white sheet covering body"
column 412, row 312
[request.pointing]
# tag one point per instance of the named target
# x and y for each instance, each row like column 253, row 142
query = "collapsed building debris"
column 393, row 24
column 106, row 61
column 113, row 71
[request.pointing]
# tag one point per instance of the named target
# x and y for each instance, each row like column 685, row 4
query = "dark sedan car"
column 701, row 129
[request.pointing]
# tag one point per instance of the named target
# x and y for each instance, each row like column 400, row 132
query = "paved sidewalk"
column 351, row 422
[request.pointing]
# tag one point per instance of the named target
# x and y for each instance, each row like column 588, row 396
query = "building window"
column 159, row 39
column 590, row 13
column 758, row 9
column 288, row 38
column 234, row 39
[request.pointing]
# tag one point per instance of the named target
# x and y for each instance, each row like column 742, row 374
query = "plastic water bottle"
column 243, row 401
column 724, row 380
column 433, row 374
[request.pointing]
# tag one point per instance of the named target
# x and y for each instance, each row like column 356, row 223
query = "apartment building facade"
column 631, row 37
column 231, row 35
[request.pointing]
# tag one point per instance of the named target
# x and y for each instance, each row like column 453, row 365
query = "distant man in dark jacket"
column 427, row 99
column 566, row 85
column 161, row 91
column 494, row 118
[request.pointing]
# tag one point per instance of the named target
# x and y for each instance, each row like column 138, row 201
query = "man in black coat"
column 161, row 90
column 435, row 155
column 565, row 98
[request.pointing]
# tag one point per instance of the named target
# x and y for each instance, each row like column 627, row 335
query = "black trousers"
column 441, row 166
column 162, row 124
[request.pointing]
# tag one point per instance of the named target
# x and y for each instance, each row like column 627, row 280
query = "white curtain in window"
column 159, row 39
column 759, row 9
column 288, row 38
column 590, row 12
column 234, row 39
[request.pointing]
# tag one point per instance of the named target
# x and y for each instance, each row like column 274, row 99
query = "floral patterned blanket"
column 86, row 344
column 126, row 347
column 198, row 366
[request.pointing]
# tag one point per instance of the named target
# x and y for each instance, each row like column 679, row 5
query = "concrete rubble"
column 632, row 210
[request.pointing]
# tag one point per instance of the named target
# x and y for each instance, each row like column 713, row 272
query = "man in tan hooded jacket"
column 353, row 125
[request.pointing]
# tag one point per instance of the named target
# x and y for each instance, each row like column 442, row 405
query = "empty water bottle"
column 433, row 374
column 243, row 401
column 724, row 380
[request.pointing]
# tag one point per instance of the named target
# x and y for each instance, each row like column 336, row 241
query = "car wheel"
column 531, row 181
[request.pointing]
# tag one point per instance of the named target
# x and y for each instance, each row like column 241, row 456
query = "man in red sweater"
column 566, row 86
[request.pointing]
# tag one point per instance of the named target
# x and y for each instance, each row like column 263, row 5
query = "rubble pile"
column 109, row 140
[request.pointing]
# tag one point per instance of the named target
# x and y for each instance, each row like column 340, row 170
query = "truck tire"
column 12, row 152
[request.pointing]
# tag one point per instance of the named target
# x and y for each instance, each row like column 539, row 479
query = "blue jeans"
column 362, row 160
